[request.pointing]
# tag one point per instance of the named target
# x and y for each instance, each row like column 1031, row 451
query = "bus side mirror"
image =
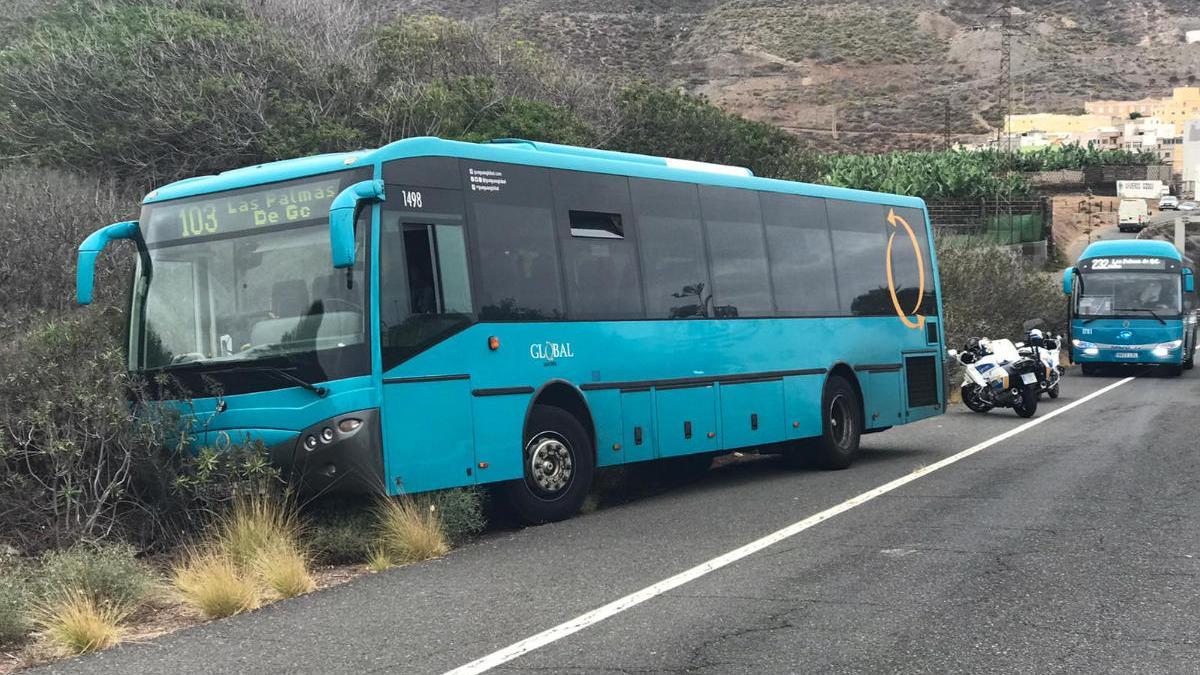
column 1068, row 280
column 1189, row 282
column 341, row 219
column 85, row 268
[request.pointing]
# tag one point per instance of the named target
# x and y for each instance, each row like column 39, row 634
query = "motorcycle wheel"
column 1027, row 405
column 1053, row 391
column 972, row 401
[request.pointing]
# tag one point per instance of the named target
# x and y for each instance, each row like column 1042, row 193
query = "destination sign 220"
column 249, row 210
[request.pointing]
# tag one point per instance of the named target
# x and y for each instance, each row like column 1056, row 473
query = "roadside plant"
column 283, row 568
column 110, row 574
column 210, row 582
column 378, row 560
column 76, row 622
column 410, row 529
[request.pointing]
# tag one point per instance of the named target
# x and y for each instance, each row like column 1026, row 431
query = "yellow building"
column 1057, row 124
column 1182, row 105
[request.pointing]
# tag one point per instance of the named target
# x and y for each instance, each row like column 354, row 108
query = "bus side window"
column 737, row 252
column 859, row 246
column 671, row 246
column 595, row 230
column 800, row 254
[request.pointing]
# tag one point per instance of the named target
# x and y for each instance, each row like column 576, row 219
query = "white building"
column 1191, row 154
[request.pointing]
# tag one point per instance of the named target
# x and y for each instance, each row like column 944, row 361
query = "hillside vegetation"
column 894, row 74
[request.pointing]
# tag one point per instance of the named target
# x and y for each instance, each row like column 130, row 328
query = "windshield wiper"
column 1141, row 309
column 283, row 373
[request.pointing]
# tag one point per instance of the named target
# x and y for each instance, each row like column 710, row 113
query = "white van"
column 1132, row 215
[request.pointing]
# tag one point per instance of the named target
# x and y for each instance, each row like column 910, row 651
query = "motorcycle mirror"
column 953, row 353
column 966, row 358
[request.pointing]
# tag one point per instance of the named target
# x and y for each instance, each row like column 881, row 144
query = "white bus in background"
column 1142, row 189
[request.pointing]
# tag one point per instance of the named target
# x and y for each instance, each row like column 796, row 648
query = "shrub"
column 76, row 622
column 153, row 92
column 14, row 602
column 79, row 462
column 340, row 534
column 989, row 291
column 109, row 574
column 410, row 529
column 209, row 581
column 461, row 512
column 283, row 567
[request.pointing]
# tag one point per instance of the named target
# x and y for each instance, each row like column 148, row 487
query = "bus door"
column 424, row 298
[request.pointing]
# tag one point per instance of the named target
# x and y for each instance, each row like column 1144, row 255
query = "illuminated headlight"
column 1091, row 351
column 1166, row 348
column 310, row 442
column 1082, row 344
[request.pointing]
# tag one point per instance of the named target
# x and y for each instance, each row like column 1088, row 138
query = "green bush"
column 86, row 455
column 14, row 602
column 988, row 291
column 108, row 573
column 658, row 121
column 340, row 534
column 461, row 511
column 153, row 92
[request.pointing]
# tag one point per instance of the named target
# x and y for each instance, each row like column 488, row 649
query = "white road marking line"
column 599, row 614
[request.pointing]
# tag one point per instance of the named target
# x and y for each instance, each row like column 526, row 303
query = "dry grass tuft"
column 283, row 567
column 77, row 623
column 410, row 530
column 257, row 524
column 378, row 560
column 210, row 581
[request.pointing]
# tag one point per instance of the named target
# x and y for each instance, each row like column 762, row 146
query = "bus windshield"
column 226, row 287
column 1124, row 293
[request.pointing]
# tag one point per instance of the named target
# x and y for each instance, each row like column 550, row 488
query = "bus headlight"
column 1165, row 349
column 1086, row 347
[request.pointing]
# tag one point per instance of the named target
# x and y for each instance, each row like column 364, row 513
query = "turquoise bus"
column 1128, row 305
column 434, row 314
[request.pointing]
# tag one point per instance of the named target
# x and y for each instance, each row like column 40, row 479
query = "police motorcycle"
column 997, row 375
column 1043, row 349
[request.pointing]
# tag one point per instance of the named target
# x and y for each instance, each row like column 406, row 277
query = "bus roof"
column 517, row 151
column 1152, row 247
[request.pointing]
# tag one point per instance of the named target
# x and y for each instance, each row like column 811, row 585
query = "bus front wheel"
column 837, row 446
column 558, row 466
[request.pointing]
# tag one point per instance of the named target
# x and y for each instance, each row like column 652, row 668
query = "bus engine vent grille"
column 921, row 372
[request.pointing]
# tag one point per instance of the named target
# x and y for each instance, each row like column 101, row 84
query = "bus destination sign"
column 241, row 212
column 1127, row 263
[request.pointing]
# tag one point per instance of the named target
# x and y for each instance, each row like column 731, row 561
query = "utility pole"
column 946, row 123
column 1012, row 22
column 833, row 123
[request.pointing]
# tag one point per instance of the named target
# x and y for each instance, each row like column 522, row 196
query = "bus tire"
column 1189, row 362
column 1088, row 369
column 841, row 426
column 1174, row 371
column 558, row 464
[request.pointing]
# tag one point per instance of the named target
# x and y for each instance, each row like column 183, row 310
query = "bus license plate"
column 1028, row 378
column 1126, row 355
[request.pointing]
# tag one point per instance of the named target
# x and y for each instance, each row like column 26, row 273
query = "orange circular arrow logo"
column 896, row 221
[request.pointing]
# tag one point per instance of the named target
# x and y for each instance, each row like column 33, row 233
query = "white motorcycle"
column 1044, row 349
column 998, row 376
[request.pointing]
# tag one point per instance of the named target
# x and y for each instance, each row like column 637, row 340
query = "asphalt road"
column 1069, row 546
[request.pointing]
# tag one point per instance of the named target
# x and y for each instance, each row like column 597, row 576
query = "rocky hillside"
column 893, row 74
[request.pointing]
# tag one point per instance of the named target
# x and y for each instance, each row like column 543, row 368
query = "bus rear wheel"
column 837, row 446
column 558, row 466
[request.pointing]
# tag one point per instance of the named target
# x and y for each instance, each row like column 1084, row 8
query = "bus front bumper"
column 1167, row 353
column 341, row 454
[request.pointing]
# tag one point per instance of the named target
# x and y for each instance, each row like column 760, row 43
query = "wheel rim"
column 549, row 464
column 840, row 421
